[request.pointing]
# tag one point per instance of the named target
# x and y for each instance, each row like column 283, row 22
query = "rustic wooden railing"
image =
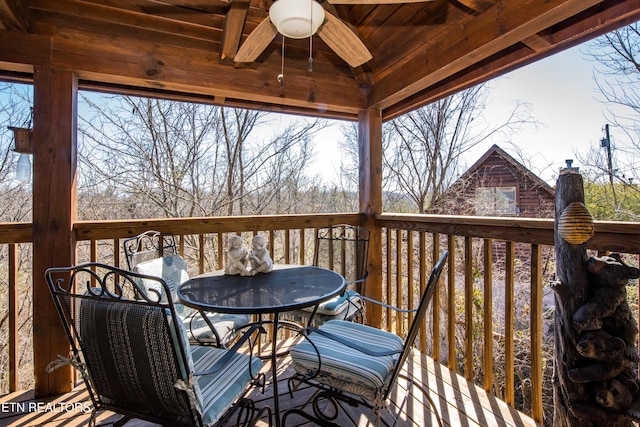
column 509, row 260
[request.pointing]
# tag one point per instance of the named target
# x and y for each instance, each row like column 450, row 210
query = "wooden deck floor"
column 458, row 403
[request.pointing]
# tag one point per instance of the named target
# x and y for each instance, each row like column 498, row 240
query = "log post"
column 571, row 399
column 570, row 292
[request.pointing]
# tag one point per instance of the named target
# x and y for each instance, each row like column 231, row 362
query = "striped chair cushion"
column 224, row 324
column 173, row 270
column 343, row 367
column 129, row 350
column 219, row 390
column 337, row 304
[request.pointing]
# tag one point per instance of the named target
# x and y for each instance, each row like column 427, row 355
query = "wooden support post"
column 54, row 213
column 370, row 201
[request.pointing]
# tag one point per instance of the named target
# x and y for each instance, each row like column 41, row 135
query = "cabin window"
column 496, row 201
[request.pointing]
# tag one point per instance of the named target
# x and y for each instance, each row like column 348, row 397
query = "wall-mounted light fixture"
column 23, row 138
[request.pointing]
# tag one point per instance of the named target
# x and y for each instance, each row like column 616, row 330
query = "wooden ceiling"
column 185, row 48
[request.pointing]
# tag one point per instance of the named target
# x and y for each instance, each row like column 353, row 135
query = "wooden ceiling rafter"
column 14, row 16
column 232, row 33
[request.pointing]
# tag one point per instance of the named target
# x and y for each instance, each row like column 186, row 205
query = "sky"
column 564, row 101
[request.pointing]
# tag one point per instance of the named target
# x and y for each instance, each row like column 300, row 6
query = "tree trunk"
column 571, row 290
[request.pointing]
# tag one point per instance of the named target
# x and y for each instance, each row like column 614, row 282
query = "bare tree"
column 617, row 77
column 426, row 145
column 154, row 158
column 423, row 149
column 16, row 101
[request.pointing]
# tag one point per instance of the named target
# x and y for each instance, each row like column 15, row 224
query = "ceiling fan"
column 299, row 19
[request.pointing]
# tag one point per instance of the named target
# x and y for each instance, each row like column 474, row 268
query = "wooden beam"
column 191, row 70
column 26, row 49
column 370, row 201
column 496, row 29
column 232, row 33
column 54, row 213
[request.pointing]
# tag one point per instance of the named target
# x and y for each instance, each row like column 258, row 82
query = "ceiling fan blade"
column 344, row 42
column 372, row 2
column 257, row 42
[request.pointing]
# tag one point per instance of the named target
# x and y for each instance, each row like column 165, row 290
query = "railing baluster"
column 201, row 253
column 398, row 301
column 468, row 308
column 422, row 277
column 451, row 303
column 410, row 279
column 389, row 276
column 220, row 264
column 536, row 333
column 488, row 314
column 287, row 246
column 509, row 284
column 435, row 305
column 13, row 317
column 302, row 249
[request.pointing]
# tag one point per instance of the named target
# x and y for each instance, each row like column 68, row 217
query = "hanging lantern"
column 23, row 140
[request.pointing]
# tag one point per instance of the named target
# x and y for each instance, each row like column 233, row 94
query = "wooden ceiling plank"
column 197, row 12
column 207, row 6
column 149, row 14
column 14, row 15
column 414, row 33
column 232, row 33
column 116, row 34
column 494, row 30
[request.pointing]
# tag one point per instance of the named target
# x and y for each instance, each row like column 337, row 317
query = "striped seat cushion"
column 337, row 304
column 225, row 325
column 218, row 391
column 346, row 368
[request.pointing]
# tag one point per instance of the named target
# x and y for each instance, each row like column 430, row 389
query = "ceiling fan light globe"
column 296, row 19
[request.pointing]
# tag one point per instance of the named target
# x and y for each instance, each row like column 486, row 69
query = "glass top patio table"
column 286, row 288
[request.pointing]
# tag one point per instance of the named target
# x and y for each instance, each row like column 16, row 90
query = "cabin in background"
column 498, row 185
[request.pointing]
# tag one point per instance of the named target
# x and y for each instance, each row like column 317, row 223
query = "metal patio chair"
column 134, row 355
column 354, row 364
column 344, row 249
column 156, row 254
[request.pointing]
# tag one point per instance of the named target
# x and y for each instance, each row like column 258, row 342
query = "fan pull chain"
column 281, row 75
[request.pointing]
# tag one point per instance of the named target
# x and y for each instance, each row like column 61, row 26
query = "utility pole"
column 606, row 144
